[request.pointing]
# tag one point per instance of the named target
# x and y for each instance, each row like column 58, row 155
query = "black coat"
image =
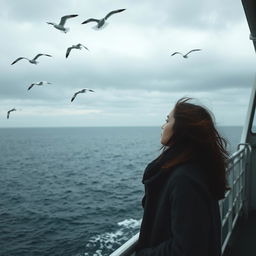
column 181, row 217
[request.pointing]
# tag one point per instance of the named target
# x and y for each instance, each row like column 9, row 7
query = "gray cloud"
column 199, row 13
column 129, row 64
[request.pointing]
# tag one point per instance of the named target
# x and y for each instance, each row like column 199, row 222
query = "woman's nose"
column 162, row 127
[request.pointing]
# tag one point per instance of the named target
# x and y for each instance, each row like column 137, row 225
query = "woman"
column 183, row 186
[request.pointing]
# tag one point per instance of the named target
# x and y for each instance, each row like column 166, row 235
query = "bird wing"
column 194, row 50
column 176, row 53
column 68, row 51
column 41, row 54
column 113, row 12
column 8, row 112
column 37, row 56
column 31, row 86
column 90, row 20
column 74, row 96
column 90, row 90
column 83, row 46
column 64, row 18
column 20, row 58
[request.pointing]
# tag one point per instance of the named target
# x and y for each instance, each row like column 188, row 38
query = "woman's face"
column 167, row 129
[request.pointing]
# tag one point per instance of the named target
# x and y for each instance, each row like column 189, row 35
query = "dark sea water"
column 74, row 191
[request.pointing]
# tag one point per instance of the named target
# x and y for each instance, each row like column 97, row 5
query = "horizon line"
column 108, row 126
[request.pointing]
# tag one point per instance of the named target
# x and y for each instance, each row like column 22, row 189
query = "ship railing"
column 232, row 206
column 235, row 202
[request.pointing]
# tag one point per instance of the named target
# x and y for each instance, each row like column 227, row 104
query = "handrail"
column 127, row 248
column 231, row 206
column 236, row 199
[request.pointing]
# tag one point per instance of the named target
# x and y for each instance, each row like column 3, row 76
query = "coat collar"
column 154, row 169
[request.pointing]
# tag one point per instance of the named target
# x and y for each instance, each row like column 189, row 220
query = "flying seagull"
column 81, row 91
column 9, row 111
column 63, row 20
column 33, row 61
column 101, row 22
column 186, row 55
column 38, row 83
column 77, row 46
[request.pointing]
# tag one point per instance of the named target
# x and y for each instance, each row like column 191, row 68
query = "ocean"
column 75, row 191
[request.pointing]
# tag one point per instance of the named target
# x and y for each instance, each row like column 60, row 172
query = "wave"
column 106, row 243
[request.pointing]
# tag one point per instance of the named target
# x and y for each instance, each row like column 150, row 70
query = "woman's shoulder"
column 189, row 173
column 188, row 169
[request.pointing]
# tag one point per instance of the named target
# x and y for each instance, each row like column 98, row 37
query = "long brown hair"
column 194, row 128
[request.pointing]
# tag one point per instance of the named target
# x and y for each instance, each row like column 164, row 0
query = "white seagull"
column 81, row 91
column 38, row 83
column 33, row 61
column 9, row 111
column 77, row 46
column 63, row 20
column 186, row 55
column 102, row 21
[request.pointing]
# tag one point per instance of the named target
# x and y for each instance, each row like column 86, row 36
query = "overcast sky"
column 129, row 63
